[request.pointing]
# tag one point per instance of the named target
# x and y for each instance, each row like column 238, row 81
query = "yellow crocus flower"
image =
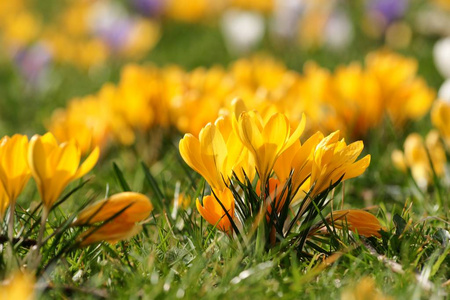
column 122, row 211
column 298, row 160
column 266, row 140
column 357, row 220
column 189, row 12
column 18, row 287
column 86, row 120
column 54, row 165
column 365, row 289
column 111, row 232
column 334, row 159
column 416, row 158
column 144, row 36
column 263, row 6
column 404, row 95
column 214, row 213
column 14, row 170
column 216, row 153
column 440, row 116
column 239, row 160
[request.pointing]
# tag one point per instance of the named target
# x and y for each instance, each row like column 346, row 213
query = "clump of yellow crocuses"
column 290, row 173
column 354, row 99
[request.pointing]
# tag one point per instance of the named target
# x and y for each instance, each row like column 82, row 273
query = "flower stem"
column 10, row 249
column 12, row 208
column 36, row 255
column 44, row 216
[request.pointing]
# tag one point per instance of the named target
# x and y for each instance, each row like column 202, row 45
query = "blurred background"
column 52, row 51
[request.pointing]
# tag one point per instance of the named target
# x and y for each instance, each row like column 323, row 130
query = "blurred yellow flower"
column 213, row 212
column 89, row 53
column 198, row 97
column 183, row 201
column 18, row 287
column 404, row 95
column 355, row 95
column 356, row 220
column 444, row 4
column 54, row 165
column 440, row 116
column 416, row 158
column 73, row 18
column 14, row 170
column 121, row 211
column 191, row 11
column 365, row 289
column 265, row 6
column 20, row 28
column 65, row 129
column 144, row 36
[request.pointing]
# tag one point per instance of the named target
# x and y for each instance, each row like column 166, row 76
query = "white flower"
column 242, row 30
column 441, row 53
column 444, row 91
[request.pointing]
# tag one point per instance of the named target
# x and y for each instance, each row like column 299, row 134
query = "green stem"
column 36, row 255
column 10, row 249
column 11, row 221
column 44, row 216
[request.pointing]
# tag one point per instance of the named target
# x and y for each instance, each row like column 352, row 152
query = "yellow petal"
column 88, row 163
column 249, row 132
column 69, row 158
column 276, row 132
column 238, row 107
column 213, row 145
column 190, row 152
column 284, row 164
column 37, row 159
column 357, row 221
column 111, row 232
column 297, row 133
column 357, row 168
column 136, row 207
column 214, row 213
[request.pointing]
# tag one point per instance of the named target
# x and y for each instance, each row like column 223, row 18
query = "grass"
column 183, row 257
column 179, row 255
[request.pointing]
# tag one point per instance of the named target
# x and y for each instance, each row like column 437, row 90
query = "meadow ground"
column 174, row 252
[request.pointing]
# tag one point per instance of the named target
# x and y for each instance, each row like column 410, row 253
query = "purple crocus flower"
column 33, row 63
column 149, row 7
column 117, row 34
column 390, row 10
